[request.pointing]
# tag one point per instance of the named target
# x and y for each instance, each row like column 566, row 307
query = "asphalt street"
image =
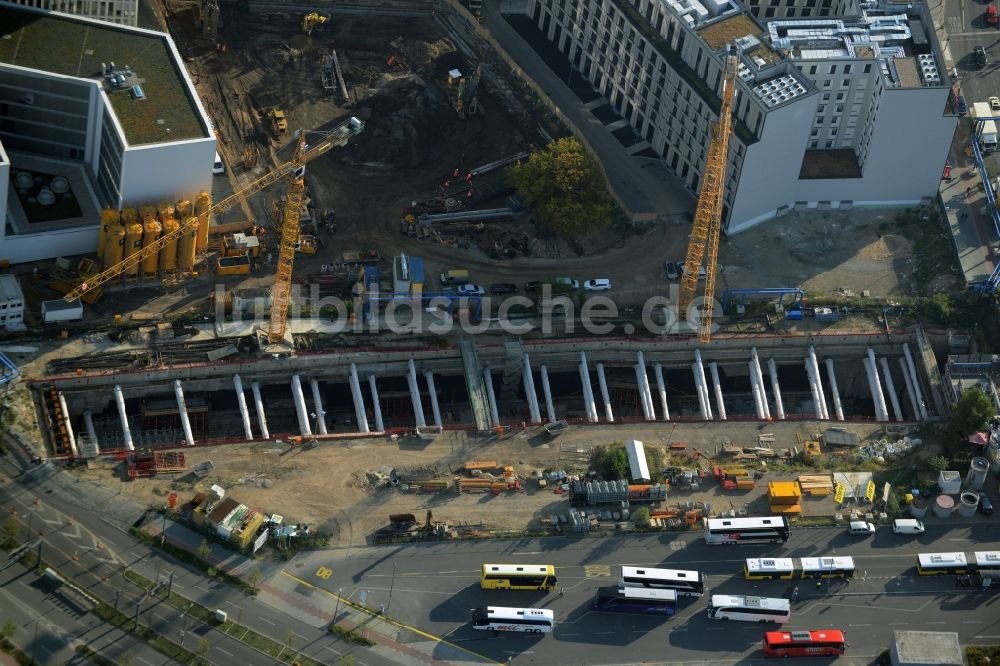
column 965, row 28
column 435, row 586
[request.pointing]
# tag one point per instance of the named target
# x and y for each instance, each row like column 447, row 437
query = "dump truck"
column 279, row 124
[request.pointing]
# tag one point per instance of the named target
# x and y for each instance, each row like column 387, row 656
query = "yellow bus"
column 518, row 577
column 769, row 568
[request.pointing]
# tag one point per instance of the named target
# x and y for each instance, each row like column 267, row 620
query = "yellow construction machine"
column 313, row 21
column 279, row 124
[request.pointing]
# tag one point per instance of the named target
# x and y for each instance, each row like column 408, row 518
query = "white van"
column 861, row 528
column 218, row 167
column 907, row 526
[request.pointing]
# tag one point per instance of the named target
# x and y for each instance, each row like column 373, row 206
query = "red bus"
column 825, row 642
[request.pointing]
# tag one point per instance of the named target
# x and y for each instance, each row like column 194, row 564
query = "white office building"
column 838, row 104
column 11, row 302
column 91, row 115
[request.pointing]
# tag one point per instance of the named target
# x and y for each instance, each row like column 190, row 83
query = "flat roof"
column 73, row 46
column 10, row 288
column 927, row 647
column 720, row 33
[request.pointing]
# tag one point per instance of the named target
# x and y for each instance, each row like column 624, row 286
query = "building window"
column 840, row 97
column 846, row 83
column 847, row 69
column 868, row 69
column 821, row 109
column 812, row 70
column 807, row 12
column 814, row 133
column 833, row 69
column 824, row 12
column 829, row 144
column 769, row 12
column 826, row 83
column 826, row 97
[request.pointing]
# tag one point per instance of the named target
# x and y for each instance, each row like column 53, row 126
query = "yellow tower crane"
column 708, row 213
column 294, row 170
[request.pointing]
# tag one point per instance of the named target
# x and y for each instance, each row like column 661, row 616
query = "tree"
column 939, row 308
column 972, row 411
column 126, row 659
column 12, row 529
column 937, row 463
column 641, row 516
column 253, row 579
column 8, row 630
column 203, row 550
column 612, row 461
column 564, row 187
column 202, row 648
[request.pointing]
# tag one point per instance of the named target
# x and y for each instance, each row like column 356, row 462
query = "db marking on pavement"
column 324, row 573
column 597, row 571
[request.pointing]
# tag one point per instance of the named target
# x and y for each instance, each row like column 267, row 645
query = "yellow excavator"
column 313, row 21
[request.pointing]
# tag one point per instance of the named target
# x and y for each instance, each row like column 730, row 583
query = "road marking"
column 145, row 661
column 972, row 621
column 225, row 652
column 859, row 625
column 597, row 571
column 985, row 636
column 934, row 623
column 264, row 619
column 389, row 620
column 324, row 573
column 528, row 552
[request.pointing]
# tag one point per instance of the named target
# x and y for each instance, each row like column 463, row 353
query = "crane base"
column 286, row 346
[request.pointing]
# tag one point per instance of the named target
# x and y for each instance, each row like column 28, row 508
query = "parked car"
column 994, row 101
column 532, row 287
column 670, row 268
column 982, row 59
column 861, row 527
column 500, row 288
column 702, row 274
column 599, row 284
column 985, row 505
column 470, row 289
column 567, row 282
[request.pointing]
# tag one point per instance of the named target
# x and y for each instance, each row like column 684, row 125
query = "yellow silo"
column 133, row 243
column 150, row 232
column 166, row 211
column 186, row 246
column 109, row 218
column 183, row 209
column 146, row 213
column 130, row 216
column 202, row 202
column 168, row 255
column 114, row 244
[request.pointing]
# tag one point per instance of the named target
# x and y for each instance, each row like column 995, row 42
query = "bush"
column 641, row 516
column 611, row 462
column 938, row 464
column 982, row 655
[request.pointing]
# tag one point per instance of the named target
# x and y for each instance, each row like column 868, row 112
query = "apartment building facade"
column 830, row 112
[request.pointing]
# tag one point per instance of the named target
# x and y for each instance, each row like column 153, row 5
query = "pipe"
column 647, row 394
column 529, row 391
column 871, row 388
column 880, row 397
column 661, row 387
column 759, row 378
column 609, row 415
column 300, row 407
column 819, row 382
column 241, row 401
column 123, row 415
column 588, row 389
column 755, row 392
column 702, row 384
column 418, row 405
column 318, row 406
column 88, row 421
column 550, row 411
column 491, row 396
column 376, row 406
column 645, row 405
column 702, row 408
column 779, row 404
column 915, row 378
column 720, row 406
column 909, row 388
column 69, row 426
column 182, row 409
column 891, row 388
column 837, row 406
column 435, row 408
column 359, row 401
column 811, row 374
column 258, row 403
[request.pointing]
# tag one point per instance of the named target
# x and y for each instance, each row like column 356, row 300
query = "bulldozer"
column 313, row 21
column 279, row 124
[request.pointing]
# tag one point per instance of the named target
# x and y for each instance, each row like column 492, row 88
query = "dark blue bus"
column 646, row 601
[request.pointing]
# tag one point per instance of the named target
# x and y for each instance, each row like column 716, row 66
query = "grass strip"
column 351, row 636
column 152, row 638
column 190, row 558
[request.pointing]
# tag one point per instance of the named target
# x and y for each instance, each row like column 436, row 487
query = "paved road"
column 434, row 586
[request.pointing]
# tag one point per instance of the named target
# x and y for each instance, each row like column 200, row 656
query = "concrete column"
column 182, row 410
column 879, row 396
column 758, row 400
column 123, row 415
column 779, row 405
column 418, row 406
column 819, row 382
column 376, row 405
column 661, row 388
column 359, row 401
column 69, row 425
column 702, row 384
column 529, row 391
column 647, row 394
column 609, row 415
column 491, row 395
column 837, row 406
column 88, row 421
column 909, row 388
column 550, row 410
column 890, row 386
column 871, row 387
column 642, row 398
column 435, row 409
column 588, row 389
column 915, row 378
column 258, row 404
column 814, row 390
column 318, row 406
column 760, row 382
column 300, row 407
column 720, row 406
column 241, row 401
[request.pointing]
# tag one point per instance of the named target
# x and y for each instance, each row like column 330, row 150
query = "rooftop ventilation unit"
column 137, row 92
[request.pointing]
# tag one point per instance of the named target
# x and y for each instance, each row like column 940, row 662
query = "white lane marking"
column 225, row 652
column 264, row 619
column 528, row 552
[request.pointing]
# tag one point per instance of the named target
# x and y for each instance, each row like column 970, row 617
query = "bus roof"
column 987, row 558
column 832, row 635
column 827, row 563
column 647, row 593
column 672, row 574
column 509, row 613
column 719, row 600
column 770, row 564
column 930, row 559
column 766, row 521
column 507, row 569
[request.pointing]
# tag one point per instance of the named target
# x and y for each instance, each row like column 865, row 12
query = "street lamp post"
column 392, row 584
column 336, row 613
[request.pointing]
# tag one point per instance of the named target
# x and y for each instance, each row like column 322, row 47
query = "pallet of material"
column 810, row 482
column 481, row 465
column 819, row 492
column 786, row 508
column 784, row 492
column 427, row 485
column 479, row 486
column 745, row 483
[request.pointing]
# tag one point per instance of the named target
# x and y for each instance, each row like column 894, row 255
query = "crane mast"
column 708, row 213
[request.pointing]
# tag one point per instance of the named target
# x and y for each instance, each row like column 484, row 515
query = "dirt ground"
column 329, row 485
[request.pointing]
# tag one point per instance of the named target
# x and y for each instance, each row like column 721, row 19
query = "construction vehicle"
column 279, row 124
column 467, row 97
column 313, row 21
column 240, row 245
column 307, row 244
column 734, row 478
column 708, row 213
column 65, row 279
column 233, row 265
column 294, row 170
column 991, row 15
